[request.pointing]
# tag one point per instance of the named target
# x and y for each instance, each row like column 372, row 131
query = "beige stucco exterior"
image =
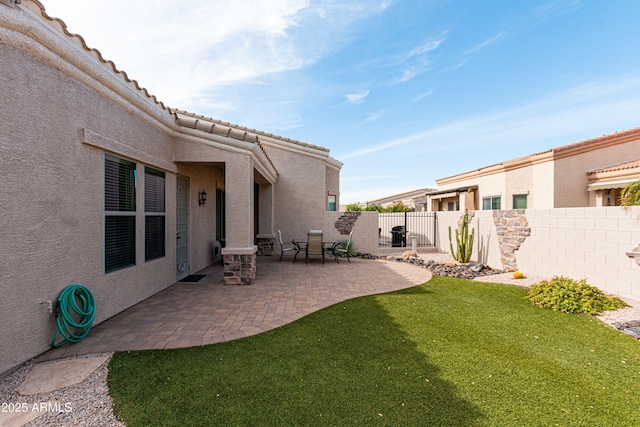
column 64, row 109
column 557, row 178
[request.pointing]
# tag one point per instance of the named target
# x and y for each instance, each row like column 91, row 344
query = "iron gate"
column 396, row 228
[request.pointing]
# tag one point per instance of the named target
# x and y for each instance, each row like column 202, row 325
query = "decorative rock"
column 409, row 254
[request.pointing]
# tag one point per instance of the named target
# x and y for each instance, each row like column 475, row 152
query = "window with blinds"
column 154, row 214
column 119, row 213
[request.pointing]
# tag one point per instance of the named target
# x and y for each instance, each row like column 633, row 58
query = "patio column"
column 239, row 255
column 266, row 236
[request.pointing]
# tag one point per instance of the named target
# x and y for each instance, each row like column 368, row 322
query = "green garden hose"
column 85, row 312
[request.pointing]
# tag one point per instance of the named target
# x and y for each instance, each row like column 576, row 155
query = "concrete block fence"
column 587, row 243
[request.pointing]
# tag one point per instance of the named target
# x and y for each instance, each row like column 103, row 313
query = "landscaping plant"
column 345, row 245
column 464, row 240
column 630, row 195
column 571, row 296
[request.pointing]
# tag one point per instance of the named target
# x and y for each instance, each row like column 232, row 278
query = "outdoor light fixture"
column 634, row 253
column 203, row 198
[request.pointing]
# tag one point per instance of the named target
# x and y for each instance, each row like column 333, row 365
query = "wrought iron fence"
column 396, row 228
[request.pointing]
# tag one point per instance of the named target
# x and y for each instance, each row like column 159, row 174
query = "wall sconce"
column 634, row 254
column 202, row 198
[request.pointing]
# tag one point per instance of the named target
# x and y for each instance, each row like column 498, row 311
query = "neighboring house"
column 101, row 184
column 408, row 199
column 586, row 173
column 605, row 184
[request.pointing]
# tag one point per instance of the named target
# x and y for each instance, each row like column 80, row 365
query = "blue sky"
column 403, row 92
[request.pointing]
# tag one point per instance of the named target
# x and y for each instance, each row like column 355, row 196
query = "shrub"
column 353, row 207
column 373, row 207
column 343, row 245
column 570, row 296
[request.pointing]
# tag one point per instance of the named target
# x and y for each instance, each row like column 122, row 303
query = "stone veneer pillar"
column 265, row 244
column 239, row 265
column 512, row 230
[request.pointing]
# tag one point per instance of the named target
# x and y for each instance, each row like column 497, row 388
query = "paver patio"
column 208, row 311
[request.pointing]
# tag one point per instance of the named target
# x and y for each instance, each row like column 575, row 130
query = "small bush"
column 570, row 296
column 343, row 245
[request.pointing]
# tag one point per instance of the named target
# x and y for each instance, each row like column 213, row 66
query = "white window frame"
column 491, row 199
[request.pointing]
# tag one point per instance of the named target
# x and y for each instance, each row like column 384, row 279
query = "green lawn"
column 447, row 353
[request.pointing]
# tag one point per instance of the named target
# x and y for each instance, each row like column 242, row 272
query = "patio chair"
column 284, row 249
column 314, row 246
column 339, row 250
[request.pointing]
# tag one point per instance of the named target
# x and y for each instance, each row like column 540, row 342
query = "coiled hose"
column 84, row 311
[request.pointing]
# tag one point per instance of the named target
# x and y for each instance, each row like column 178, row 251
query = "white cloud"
column 428, row 46
column 424, row 95
column 407, row 75
column 357, row 98
column 416, row 62
column 582, row 108
column 180, row 51
column 372, row 117
column 556, row 8
column 486, row 43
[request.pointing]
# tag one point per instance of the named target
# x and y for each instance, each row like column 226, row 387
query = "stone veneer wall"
column 239, row 269
column 345, row 223
column 265, row 244
column 580, row 243
column 512, row 230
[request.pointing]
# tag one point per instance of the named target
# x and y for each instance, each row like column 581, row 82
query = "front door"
column 182, row 227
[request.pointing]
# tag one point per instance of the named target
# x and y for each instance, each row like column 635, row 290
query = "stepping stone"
column 48, row 377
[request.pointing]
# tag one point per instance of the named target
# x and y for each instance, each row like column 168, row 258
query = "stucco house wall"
column 571, row 177
column 301, row 193
column 51, row 200
column 65, row 109
column 556, row 178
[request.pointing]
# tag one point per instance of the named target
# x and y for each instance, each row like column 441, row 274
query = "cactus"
column 464, row 241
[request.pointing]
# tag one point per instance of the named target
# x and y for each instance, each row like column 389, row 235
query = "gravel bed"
column 87, row 404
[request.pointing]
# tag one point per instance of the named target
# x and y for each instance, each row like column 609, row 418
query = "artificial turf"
column 447, row 353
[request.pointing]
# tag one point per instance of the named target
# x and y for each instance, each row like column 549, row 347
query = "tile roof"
column 220, row 127
column 562, row 151
column 634, row 164
column 59, row 25
column 183, row 118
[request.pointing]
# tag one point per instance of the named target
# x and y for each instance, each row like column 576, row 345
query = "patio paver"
column 208, row 311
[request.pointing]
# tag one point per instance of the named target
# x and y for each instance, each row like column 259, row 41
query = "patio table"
column 302, row 246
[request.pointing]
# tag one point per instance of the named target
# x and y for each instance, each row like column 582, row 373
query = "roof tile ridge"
column 264, row 151
column 59, row 25
column 589, row 141
column 256, row 131
column 618, row 166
